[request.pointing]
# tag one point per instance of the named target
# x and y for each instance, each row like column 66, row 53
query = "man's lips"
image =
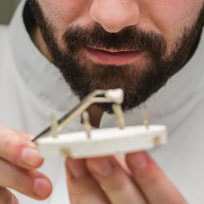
column 113, row 57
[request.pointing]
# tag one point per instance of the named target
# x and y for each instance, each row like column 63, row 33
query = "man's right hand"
column 19, row 160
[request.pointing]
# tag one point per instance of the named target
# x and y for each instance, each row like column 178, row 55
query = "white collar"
column 41, row 76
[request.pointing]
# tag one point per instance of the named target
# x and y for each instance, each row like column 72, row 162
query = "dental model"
column 99, row 142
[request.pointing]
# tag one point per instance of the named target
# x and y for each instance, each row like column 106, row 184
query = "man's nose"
column 114, row 15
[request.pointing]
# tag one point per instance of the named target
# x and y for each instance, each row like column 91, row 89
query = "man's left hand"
column 111, row 180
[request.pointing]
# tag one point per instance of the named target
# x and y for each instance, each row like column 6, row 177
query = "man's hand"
column 110, row 180
column 18, row 162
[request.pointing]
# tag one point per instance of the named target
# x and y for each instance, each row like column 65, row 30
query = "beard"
column 138, row 80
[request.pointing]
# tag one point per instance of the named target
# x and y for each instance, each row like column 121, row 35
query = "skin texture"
column 106, row 180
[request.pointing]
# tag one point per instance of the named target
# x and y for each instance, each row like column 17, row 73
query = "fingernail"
column 77, row 168
column 42, row 188
column 30, row 157
column 102, row 167
column 138, row 161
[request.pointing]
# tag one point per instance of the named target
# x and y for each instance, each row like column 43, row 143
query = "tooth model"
column 99, row 142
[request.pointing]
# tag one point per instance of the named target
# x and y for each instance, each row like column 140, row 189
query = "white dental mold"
column 99, row 142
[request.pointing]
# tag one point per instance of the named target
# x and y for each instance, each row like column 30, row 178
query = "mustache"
column 130, row 38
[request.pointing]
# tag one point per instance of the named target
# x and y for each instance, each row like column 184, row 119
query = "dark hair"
column 28, row 18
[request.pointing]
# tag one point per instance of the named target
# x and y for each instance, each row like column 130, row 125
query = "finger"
column 6, row 197
column 155, row 185
column 18, row 150
column 82, row 187
column 23, row 135
column 30, row 183
column 117, row 184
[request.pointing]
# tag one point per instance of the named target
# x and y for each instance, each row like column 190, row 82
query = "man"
column 55, row 52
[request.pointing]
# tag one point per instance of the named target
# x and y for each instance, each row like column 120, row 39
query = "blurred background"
column 7, row 8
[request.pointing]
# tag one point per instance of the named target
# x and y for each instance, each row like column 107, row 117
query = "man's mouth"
column 113, row 57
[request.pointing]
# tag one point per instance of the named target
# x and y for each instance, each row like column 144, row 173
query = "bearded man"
column 54, row 53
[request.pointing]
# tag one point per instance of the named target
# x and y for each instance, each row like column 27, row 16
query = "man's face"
column 136, row 45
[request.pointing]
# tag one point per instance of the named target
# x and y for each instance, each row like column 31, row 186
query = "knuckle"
column 10, row 147
column 6, row 145
column 20, row 180
column 23, row 184
column 6, row 196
